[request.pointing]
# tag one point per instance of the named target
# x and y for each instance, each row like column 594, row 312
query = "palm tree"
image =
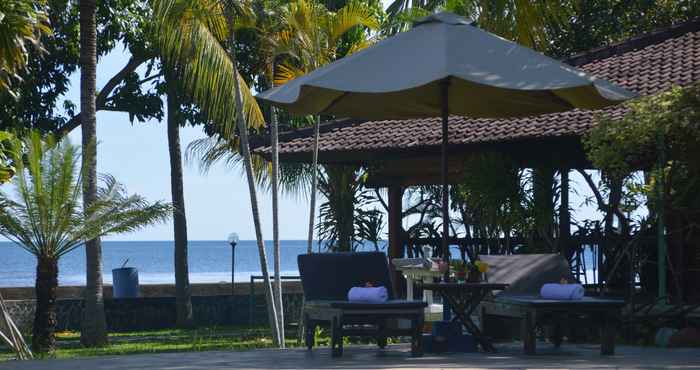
column 21, row 22
column 45, row 217
column 183, row 294
column 94, row 326
column 526, row 22
column 313, row 38
column 192, row 33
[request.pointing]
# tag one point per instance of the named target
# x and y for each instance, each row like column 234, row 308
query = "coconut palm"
column 311, row 39
column 22, row 22
column 183, row 293
column 94, row 324
column 192, row 34
column 46, row 218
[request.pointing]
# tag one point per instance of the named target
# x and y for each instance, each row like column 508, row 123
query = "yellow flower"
column 482, row 266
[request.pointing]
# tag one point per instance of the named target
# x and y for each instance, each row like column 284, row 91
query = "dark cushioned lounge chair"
column 525, row 274
column 326, row 279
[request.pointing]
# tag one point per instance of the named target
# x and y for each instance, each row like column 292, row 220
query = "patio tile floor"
column 570, row 356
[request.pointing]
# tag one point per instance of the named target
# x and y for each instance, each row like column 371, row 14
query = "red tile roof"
column 647, row 65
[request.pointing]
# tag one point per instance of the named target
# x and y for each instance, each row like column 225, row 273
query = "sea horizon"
column 209, row 261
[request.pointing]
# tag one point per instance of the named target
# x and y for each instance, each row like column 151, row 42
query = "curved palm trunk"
column 245, row 152
column 183, row 299
column 314, row 186
column 94, row 326
column 275, row 225
column 43, row 332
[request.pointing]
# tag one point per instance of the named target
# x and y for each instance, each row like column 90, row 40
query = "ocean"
column 209, row 262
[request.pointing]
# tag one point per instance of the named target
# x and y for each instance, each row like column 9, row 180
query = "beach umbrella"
column 444, row 66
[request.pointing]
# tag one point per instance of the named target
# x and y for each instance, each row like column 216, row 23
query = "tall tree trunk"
column 94, row 326
column 275, row 225
column 245, row 152
column 43, row 332
column 565, row 217
column 183, row 300
column 314, row 186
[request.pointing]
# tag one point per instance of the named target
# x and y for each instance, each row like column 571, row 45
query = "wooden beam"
column 396, row 249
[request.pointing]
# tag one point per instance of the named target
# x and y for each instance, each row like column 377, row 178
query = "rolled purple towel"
column 368, row 295
column 562, row 291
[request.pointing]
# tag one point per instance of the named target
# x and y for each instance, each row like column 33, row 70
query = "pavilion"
column 402, row 153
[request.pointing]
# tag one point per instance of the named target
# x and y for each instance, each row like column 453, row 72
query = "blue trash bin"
column 125, row 282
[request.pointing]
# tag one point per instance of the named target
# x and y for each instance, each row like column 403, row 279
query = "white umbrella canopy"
column 399, row 77
column 444, row 66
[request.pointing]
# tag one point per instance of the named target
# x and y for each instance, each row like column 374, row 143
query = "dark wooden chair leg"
column 417, row 338
column 607, row 336
column 310, row 333
column 381, row 334
column 557, row 335
column 527, row 332
column 482, row 321
column 336, row 338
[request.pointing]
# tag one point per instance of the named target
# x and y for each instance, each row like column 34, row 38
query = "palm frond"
column 353, row 14
column 191, row 33
column 285, row 73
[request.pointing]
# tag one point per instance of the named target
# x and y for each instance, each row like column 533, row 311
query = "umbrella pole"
column 444, row 90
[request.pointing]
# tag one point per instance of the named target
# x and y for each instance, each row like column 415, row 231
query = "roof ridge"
column 635, row 42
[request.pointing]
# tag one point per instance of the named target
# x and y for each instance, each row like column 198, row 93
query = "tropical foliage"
column 526, row 22
column 22, row 22
column 313, row 36
column 46, row 217
column 41, row 100
column 7, row 146
column 348, row 216
column 492, row 199
column 666, row 125
column 192, row 34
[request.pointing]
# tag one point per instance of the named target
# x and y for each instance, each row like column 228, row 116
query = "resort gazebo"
column 401, row 153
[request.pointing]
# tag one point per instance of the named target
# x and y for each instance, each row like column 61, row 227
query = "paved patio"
column 394, row 357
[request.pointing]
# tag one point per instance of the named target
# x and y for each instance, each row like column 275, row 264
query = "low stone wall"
column 151, row 290
column 158, row 312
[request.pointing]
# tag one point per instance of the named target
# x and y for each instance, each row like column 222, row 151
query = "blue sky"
column 217, row 202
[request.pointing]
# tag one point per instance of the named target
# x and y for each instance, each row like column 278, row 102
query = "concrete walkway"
column 394, row 357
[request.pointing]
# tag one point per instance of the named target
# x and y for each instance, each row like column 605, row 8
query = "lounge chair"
column 525, row 275
column 326, row 279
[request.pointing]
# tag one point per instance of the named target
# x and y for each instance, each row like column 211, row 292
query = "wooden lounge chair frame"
column 326, row 279
column 526, row 274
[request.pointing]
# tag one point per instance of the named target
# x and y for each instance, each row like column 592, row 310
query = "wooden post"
column 395, row 241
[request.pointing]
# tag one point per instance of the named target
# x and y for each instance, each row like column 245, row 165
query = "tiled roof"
column 647, row 65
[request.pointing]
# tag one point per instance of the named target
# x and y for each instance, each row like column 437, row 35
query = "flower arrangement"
column 469, row 271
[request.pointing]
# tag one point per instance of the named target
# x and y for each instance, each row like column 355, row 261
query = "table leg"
column 607, row 335
column 463, row 314
column 527, row 332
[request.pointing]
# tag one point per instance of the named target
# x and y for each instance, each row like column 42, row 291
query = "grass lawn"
column 167, row 340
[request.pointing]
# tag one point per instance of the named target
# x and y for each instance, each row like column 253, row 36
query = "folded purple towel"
column 562, row 291
column 369, row 295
